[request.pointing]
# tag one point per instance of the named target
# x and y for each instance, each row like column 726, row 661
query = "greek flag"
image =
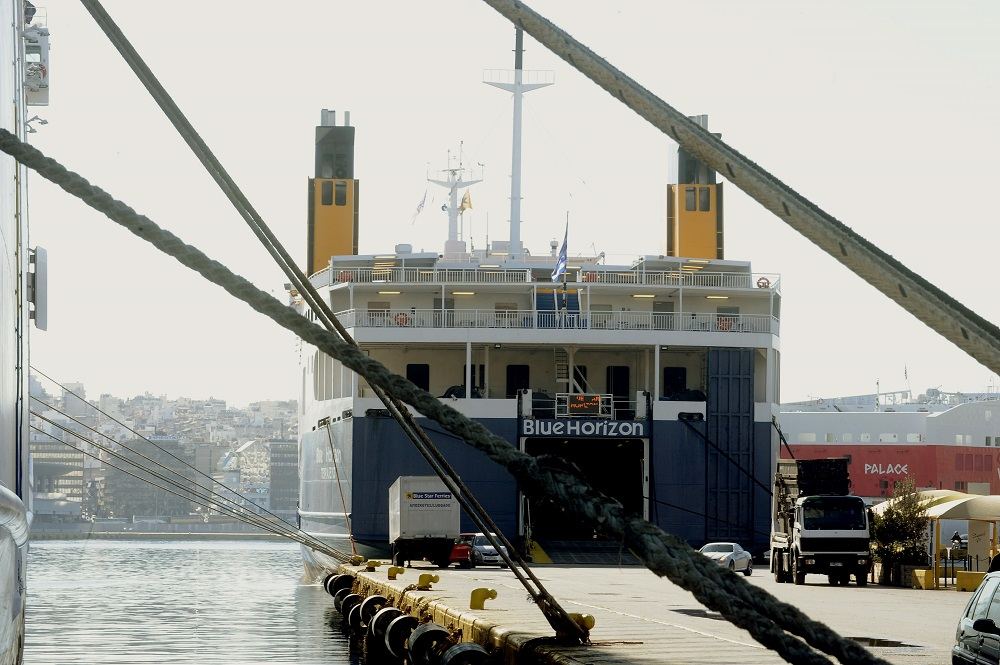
column 420, row 207
column 561, row 261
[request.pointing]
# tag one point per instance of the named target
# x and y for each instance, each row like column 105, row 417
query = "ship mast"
column 518, row 88
column 454, row 246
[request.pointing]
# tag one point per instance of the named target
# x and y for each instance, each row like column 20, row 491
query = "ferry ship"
column 23, row 84
column 656, row 378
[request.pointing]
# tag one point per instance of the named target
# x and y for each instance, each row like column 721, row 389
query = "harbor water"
column 177, row 601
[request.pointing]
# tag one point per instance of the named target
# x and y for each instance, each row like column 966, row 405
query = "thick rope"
column 766, row 618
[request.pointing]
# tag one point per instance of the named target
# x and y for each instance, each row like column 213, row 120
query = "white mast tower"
column 518, row 87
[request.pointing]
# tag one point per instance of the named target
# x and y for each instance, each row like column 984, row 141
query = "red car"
column 461, row 553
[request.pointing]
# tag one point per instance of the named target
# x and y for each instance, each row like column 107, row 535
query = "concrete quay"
column 641, row 618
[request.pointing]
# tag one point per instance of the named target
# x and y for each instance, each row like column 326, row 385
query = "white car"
column 730, row 555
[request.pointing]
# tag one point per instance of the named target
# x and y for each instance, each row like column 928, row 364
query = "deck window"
column 674, row 380
column 517, row 379
column 419, row 374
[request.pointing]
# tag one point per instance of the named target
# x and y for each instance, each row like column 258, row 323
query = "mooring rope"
column 771, row 622
column 556, row 615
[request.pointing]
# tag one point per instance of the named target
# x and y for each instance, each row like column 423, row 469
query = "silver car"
column 730, row 555
column 483, row 553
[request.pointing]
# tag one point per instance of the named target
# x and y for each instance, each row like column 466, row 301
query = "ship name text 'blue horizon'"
column 589, row 428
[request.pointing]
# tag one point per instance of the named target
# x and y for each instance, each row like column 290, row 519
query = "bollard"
column 425, row 580
column 395, row 570
column 371, row 565
column 479, row 597
column 585, row 621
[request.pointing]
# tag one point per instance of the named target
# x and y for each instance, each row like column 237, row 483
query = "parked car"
column 730, row 555
column 461, row 552
column 977, row 638
column 481, row 552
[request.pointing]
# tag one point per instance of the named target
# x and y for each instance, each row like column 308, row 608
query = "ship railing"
column 549, row 319
column 679, row 278
column 479, row 275
column 428, row 275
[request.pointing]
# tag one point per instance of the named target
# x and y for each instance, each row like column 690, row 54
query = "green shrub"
column 899, row 533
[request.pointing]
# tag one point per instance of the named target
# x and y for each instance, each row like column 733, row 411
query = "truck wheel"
column 798, row 575
column 779, row 569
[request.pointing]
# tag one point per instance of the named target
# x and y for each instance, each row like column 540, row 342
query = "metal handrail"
column 477, row 275
column 550, row 319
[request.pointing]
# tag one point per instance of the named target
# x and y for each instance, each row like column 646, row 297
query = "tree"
column 899, row 532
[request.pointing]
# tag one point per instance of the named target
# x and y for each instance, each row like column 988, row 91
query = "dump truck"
column 817, row 525
column 424, row 520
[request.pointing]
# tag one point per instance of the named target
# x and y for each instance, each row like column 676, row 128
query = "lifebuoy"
column 763, row 283
column 44, row 71
column 725, row 323
column 344, row 275
column 402, row 320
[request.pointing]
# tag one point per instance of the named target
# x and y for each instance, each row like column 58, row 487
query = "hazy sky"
column 886, row 115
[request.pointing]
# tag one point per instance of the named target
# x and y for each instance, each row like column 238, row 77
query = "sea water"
column 177, row 601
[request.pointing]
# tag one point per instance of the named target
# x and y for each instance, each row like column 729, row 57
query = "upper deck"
column 410, row 293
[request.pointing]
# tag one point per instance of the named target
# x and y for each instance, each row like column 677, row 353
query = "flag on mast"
column 466, row 202
column 420, row 206
column 561, row 260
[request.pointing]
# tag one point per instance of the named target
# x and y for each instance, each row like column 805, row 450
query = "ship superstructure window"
column 619, row 385
column 419, row 374
column 674, row 380
column 333, row 193
column 517, row 379
column 698, row 198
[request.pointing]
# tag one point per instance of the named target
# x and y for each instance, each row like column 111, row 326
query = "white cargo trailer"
column 424, row 520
